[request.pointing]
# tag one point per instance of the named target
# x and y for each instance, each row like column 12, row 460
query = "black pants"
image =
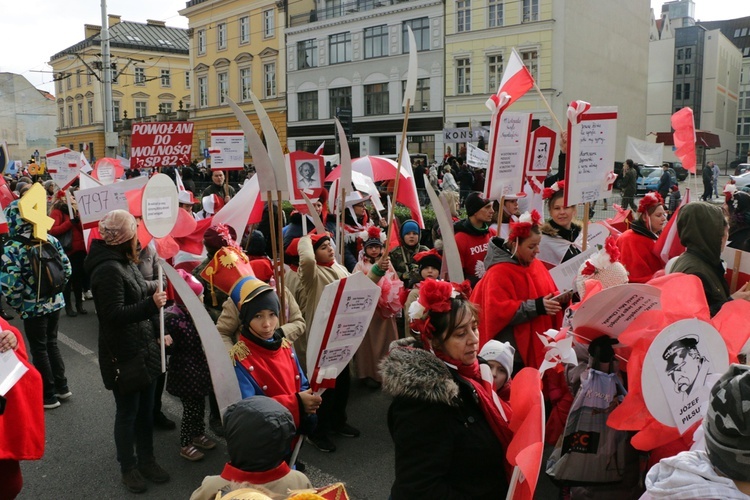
column 41, row 332
column 134, row 427
column 628, row 201
column 707, row 190
column 332, row 411
column 75, row 283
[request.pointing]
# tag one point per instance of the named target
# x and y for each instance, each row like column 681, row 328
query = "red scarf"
column 484, row 390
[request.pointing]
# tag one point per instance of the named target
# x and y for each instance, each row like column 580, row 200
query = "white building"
column 28, row 119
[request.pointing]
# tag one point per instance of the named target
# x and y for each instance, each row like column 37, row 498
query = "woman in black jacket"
column 449, row 435
column 124, row 307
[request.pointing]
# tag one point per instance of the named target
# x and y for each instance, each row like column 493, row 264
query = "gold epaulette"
column 285, row 344
column 238, row 352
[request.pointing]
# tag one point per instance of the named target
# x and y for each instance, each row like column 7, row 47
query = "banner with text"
column 509, row 137
column 63, row 166
column 476, row 157
column 227, row 149
column 161, row 144
column 95, row 202
column 464, row 134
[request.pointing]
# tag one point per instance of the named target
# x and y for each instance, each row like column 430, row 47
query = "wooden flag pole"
column 280, row 241
column 549, row 108
column 342, row 220
column 398, row 177
column 585, row 226
column 274, row 248
column 735, row 271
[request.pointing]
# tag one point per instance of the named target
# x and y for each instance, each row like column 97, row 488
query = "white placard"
column 63, row 166
column 475, row 157
column 676, row 377
column 596, row 237
column 93, row 203
column 564, row 274
column 591, row 156
column 613, row 309
column 11, row 371
column 230, row 145
column 160, row 205
column 508, row 140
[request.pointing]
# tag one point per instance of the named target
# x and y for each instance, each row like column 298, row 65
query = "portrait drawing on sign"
column 685, row 366
column 307, row 176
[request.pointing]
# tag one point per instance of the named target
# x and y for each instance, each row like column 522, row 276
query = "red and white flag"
column 668, row 245
column 683, row 124
column 517, row 80
column 407, row 195
column 245, row 208
column 3, row 223
column 178, row 181
column 319, row 151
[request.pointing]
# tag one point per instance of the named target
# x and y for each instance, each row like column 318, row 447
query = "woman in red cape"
column 515, row 294
column 22, row 421
column 637, row 243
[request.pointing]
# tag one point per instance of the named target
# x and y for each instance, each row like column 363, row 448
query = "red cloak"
column 638, row 257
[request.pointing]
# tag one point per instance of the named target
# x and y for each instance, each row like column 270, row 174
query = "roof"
column 736, row 30
column 137, row 36
column 702, row 138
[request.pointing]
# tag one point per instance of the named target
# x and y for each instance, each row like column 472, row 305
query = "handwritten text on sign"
column 95, row 202
column 161, row 144
column 231, row 147
column 509, row 138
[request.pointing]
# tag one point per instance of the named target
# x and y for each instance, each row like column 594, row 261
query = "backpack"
column 47, row 265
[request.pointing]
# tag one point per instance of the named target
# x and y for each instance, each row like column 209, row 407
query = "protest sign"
column 63, row 166
column 681, row 360
column 159, row 205
column 306, row 173
column 541, row 149
column 160, row 144
column 509, row 138
column 564, row 274
column 95, row 202
column 227, row 150
column 589, row 166
column 612, row 310
column 341, row 320
column 738, row 261
column 476, row 157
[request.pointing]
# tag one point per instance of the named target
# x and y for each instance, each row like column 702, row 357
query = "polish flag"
column 668, row 245
column 178, row 180
column 319, row 151
column 515, row 83
column 3, row 223
column 245, row 208
column 407, row 195
column 683, row 124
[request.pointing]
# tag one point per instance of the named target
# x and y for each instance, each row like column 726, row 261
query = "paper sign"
column 509, row 137
column 228, row 149
column 160, row 144
column 613, row 309
column 564, row 274
column 341, row 319
column 63, row 166
column 160, row 205
column 11, row 371
column 305, row 173
column 476, row 157
column 541, row 152
column 597, row 236
column 95, row 202
column 591, row 155
column 728, row 256
column 675, row 372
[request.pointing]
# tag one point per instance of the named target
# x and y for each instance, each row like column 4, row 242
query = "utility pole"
column 110, row 137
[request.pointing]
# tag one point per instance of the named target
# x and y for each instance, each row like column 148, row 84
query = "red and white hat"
column 212, row 203
column 186, row 198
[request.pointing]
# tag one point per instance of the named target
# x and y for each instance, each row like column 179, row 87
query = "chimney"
column 152, row 22
column 90, row 30
column 113, row 19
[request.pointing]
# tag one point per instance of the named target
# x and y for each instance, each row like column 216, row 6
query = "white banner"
column 476, row 157
column 647, row 153
column 93, row 203
column 464, row 134
column 227, row 149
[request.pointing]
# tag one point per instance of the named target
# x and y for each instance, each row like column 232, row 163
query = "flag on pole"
column 319, row 151
column 407, row 194
column 178, row 181
column 668, row 245
column 245, row 208
column 683, row 124
column 515, row 83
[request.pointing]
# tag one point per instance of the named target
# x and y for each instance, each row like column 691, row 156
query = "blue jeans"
column 134, row 427
column 41, row 331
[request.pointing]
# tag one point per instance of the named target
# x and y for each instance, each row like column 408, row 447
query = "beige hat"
column 118, row 226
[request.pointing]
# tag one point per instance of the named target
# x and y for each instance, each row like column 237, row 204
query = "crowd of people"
column 446, row 352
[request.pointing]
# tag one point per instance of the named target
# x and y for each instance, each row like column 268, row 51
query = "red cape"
column 638, row 257
column 22, row 424
column 499, row 295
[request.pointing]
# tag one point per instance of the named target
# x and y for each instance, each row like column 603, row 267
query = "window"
column 115, row 74
column 90, row 109
column 339, row 48
column 268, row 24
column 376, row 99
column 116, row 111
column 269, row 77
column 141, row 109
column 687, row 69
column 202, row 91
column 744, row 32
column 463, row 76
column 223, row 80
column 494, row 72
column 678, row 91
column 165, row 78
column 88, row 78
column 495, row 13
column 59, row 78
column 69, row 81
column 678, row 69
column 244, row 29
column 421, row 96
column 743, row 126
column 530, row 10
column 166, row 107
column 531, row 61
column 221, row 35
column 61, row 118
column 339, row 98
column 307, row 103
column 376, row 41
column 78, row 78
column 70, row 115
column 737, row 32
column 421, row 29
column 686, row 91
column 307, row 54
column 680, row 54
column 245, row 82
column 201, row 41
column 688, row 52
column 140, row 76
column 187, row 79
column 463, row 15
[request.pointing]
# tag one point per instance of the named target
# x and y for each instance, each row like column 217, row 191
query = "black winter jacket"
column 124, row 307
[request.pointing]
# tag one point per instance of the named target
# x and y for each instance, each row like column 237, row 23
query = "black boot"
column 6, row 315
column 69, row 310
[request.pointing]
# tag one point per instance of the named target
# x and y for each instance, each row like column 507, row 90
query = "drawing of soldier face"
column 684, row 363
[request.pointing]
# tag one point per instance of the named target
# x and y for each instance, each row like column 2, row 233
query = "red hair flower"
column 550, row 191
column 522, row 228
column 650, row 200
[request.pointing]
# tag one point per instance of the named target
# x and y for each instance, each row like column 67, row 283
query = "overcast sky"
column 34, row 30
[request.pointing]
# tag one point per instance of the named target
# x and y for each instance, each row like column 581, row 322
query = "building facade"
column 28, row 117
column 606, row 67
column 151, row 74
column 349, row 59
column 236, row 47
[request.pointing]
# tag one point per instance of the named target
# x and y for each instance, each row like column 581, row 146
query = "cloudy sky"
column 34, row 30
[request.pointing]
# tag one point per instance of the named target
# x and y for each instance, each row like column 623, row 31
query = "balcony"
column 339, row 9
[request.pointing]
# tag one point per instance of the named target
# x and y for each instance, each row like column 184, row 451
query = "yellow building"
column 235, row 47
column 151, row 66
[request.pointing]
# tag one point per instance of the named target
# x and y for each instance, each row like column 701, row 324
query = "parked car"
column 648, row 178
column 741, row 180
column 741, row 168
column 679, row 170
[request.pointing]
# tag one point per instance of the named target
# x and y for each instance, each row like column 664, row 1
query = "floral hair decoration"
column 434, row 296
column 522, row 228
column 550, row 191
column 602, row 259
column 649, row 200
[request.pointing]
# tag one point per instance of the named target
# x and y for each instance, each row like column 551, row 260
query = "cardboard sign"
column 63, row 166
column 341, row 320
column 306, row 173
column 160, row 144
column 33, row 209
column 592, row 135
column 160, row 205
column 729, row 256
column 541, row 152
column 509, row 138
column 95, row 202
column 613, row 309
column 564, row 274
column 676, row 380
column 227, row 150
column 475, row 157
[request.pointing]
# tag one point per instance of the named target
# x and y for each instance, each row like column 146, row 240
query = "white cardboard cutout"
column 675, row 371
column 160, row 205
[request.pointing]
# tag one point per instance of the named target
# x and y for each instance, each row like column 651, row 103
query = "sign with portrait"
column 541, row 152
column 306, row 173
column 677, row 372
